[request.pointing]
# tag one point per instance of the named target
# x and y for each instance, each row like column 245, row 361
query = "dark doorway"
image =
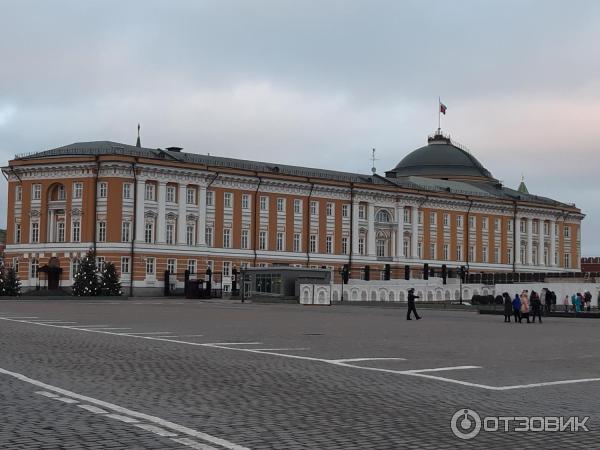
column 54, row 271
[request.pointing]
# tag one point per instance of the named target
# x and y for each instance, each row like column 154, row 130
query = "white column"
column 371, row 229
column 355, row 234
column 552, row 243
column 517, row 243
column 50, row 228
column 400, row 232
column 161, row 220
column 529, row 241
column 541, row 243
column 393, row 245
column 139, row 212
column 201, row 215
column 182, row 219
column 414, row 240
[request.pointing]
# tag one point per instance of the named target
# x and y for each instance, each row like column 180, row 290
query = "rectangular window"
column 432, row 253
column 459, row 222
column 280, row 205
column 496, row 225
column 172, row 265
column 210, row 198
column 567, row 260
column 509, row 255
column 190, row 196
column 150, row 192
column 226, row 268
column 484, row 254
column 124, row 265
column 345, row 210
column 103, row 190
column 191, row 265
column 297, row 206
column 100, row 263
column 170, row 233
column 245, row 239
column 420, row 217
column 17, row 238
column 18, row 194
column 34, row 265
column 149, row 267
column 101, row 231
column 209, row 236
column 329, row 209
column 171, row 194
column 406, row 215
column 125, row 231
column 419, row 249
column 471, row 253
column 36, row 192
column 459, row 252
column 264, row 206
column 536, row 226
column 280, row 241
column 313, row 243
column 406, row 248
column 344, row 245
column 446, row 252
column 297, row 242
column 472, row 223
column 510, row 226
column 60, row 232
column 361, row 246
column 432, row 218
column 149, row 233
column 226, row 237
column 314, row 208
column 126, row 191
column 361, row 211
column 484, row 223
column 567, row 232
column 262, row 240
column 77, row 190
column 35, row 232
column 546, row 230
column 228, row 200
column 190, row 234
column 522, row 225
column 329, row 244
column 446, row 220
column 497, row 255
column 75, row 266
column 245, row 201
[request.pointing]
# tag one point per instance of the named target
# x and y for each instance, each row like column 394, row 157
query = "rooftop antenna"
column 373, row 159
column 139, row 142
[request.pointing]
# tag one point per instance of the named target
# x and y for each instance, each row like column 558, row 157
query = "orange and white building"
column 151, row 210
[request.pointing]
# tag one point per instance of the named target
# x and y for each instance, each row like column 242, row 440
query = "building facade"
column 152, row 210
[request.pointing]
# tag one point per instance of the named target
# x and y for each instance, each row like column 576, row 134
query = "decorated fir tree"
column 11, row 285
column 2, row 281
column 110, row 283
column 85, row 280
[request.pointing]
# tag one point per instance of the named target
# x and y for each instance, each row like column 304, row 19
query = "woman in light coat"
column 524, row 306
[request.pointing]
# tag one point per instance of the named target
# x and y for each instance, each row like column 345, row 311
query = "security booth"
column 279, row 283
column 208, row 286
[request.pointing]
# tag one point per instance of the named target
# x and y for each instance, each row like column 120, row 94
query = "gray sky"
column 315, row 83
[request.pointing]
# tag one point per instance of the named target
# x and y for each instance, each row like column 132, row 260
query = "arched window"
column 383, row 216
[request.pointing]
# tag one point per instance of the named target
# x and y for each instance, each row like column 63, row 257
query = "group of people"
column 529, row 306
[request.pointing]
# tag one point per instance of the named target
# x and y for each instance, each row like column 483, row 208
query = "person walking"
column 411, row 304
column 508, row 307
column 516, row 304
column 524, row 306
column 553, row 301
column 536, row 306
column 545, row 300
column 587, row 297
column 566, row 303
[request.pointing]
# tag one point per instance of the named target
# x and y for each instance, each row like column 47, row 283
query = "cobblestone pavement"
column 179, row 374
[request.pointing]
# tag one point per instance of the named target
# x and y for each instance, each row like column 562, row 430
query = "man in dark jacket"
column 411, row 304
column 536, row 306
column 508, row 307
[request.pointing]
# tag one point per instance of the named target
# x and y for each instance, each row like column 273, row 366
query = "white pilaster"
column 541, row 243
column 400, row 232
column 139, row 212
column 181, row 219
column 355, row 208
column 552, row 243
column 517, row 243
column 161, row 220
column 201, row 215
column 414, row 240
column 50, row 228
column 371, row 229
column 529, row 241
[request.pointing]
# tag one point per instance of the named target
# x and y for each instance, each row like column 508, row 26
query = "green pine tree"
column 110, row 283
column 2, row 281
column 85, row 280
column 11, row 285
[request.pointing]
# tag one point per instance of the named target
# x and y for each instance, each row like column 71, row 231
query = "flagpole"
column 439, row 114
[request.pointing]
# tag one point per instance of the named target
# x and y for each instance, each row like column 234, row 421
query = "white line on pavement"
column 47, row 394
column 149, row 333
column 232, row 343
column 443, row 369
column 190, row 335
column 84, row 326
column 156, row 430
column 119, row 409
column 280, row 349
column 367, row 359
column 93, row 409
column 65, row 399
column 125, row 419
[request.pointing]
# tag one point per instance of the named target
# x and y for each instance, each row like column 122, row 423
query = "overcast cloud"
column 314, row 83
